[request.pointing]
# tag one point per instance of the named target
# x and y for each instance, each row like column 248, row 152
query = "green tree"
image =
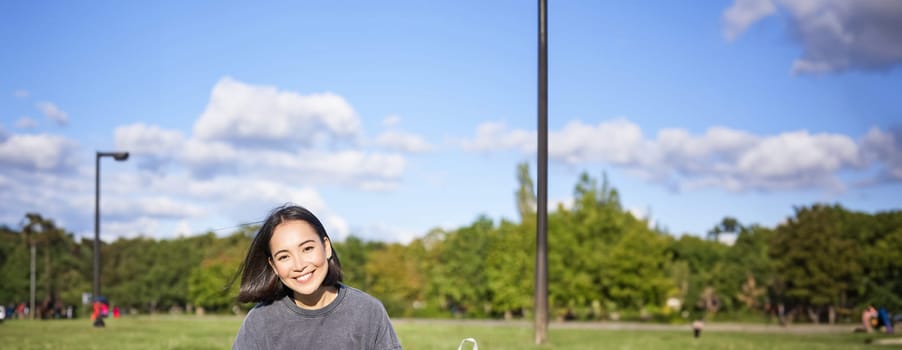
column 635, row 270
column 212, row 285
column 354, row 254
column 881, row 259
column 394, row 277
column 728, row 224
column 704, row 259
column 509, row 268
column 525, row 195
column 816, row 258
column 14, row 266
column 458, row 277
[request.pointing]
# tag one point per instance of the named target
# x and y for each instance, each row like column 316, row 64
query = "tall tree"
column 728, row 224
column 525, row 195
column 816, row 259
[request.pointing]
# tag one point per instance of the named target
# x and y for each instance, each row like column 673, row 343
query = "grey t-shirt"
column 354, row 320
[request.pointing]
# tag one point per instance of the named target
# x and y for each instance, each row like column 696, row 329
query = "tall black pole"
column 98, row 321
column 118, row 156
column 541, row 297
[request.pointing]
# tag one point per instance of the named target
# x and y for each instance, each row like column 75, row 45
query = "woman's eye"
column 282, row 258
column 308, row 249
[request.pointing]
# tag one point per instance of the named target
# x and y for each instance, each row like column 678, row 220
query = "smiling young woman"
column 293, row 274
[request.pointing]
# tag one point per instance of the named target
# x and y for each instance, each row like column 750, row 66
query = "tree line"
column 822, row 264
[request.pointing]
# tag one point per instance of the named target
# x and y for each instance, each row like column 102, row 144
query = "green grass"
column 217, row 332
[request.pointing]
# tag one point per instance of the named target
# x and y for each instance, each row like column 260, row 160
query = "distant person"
column 293, row 274
column 866, row 316
column 96, row 312
column 697, row 326
column 884, row 319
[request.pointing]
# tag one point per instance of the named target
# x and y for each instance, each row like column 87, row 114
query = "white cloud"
column 347, row 167
column 725, row 158
column 26, row 123
column 248, row 114
column 152, row 147
column 66, row 195
column 149, row 140
column 884, row 148
column 53, row 112
column 351, row 168
column 207, row 158
column 617, row 141
column 209, row 176
column 156, row 206
column 140, row 203
column 38, row 152
column 492, row 136
column 744, row 13
column 110, row 230
column 791, row 154
column 382, row 232
column 21, row 93
column 238, row 195
column 836, row 35
column 404, row 142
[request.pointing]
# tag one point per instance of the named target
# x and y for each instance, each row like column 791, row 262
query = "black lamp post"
column 118, row 156
column 541, row 282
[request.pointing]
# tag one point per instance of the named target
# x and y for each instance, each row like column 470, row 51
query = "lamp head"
column 120, row 156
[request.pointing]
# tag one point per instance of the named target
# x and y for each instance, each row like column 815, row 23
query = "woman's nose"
column 299, row 264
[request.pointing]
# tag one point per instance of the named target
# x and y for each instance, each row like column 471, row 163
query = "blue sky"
column 391, row 118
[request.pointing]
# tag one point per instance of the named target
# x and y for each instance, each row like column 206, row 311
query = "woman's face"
column 299, row 257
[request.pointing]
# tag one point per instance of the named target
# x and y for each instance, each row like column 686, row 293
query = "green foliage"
column 525, row 195
column 354, row 253
column 394, row 277
column 603, row 262
column 213, row 284
column 827, row 277
column 634, row 270
column 509, row 269
column 14, row 267
column 458, row 276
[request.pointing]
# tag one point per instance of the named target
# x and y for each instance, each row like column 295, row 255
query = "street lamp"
column 118, row 156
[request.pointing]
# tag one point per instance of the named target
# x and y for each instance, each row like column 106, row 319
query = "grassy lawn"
column 212, row 332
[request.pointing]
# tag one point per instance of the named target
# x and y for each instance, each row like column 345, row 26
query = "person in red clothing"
column 95, row 312
column 101, row 310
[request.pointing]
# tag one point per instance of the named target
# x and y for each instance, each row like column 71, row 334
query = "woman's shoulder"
column 360, row 298
column 261, row 310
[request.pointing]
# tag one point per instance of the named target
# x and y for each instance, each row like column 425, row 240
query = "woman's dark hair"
column 259, row 283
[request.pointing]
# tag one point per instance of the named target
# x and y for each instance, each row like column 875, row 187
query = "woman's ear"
column 328, row 245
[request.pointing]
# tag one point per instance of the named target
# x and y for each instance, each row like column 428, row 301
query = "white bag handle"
column 471, row 340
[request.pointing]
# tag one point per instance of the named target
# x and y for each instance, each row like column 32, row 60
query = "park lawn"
column 217, row 332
